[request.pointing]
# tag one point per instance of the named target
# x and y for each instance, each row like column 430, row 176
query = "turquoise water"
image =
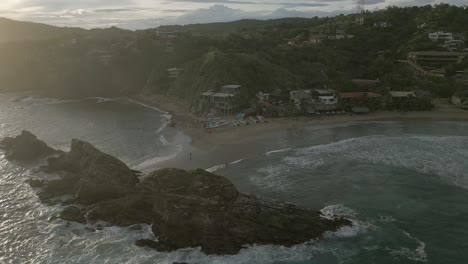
column 405, row 186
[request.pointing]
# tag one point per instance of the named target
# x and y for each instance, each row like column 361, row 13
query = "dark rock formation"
column 95, row 176
column 73, row 213
column 25, row 147
column 186, row 208
column 197, row 208
column 126, row 211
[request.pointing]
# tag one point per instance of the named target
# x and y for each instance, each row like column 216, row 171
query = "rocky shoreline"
column 185, row 208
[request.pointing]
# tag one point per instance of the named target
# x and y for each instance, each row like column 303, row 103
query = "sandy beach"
column 221, row 146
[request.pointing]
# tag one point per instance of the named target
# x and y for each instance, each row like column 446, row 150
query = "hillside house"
column 264, row 97
column 317, row 39
column 361, row 100
column 323, row 100
column 462, row 77
column 446, row 36
column 175, row 72
column 397, row 96
column 233, row 89
column 300, row 97
column 460, row 99
column 383, row 24
column 438, row 58
column 226, row 101
column 352, row 96
column 441, row 36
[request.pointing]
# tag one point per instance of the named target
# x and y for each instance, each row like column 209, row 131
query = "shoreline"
column 232, row 144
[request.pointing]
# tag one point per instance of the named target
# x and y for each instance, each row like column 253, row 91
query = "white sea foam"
column 216, row 168
column 331, row 211
column 165, row 115
column 303, row 162
column 274, row 177
column 237, row 161
column 164, row 141
column 444, row 156
column 277, row 151
column 148, row 106
column 103, row 99
column 334, row 211
column 418, row 254
column 151, row 163
column 223, row 166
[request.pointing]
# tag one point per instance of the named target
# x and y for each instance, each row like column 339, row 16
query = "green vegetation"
column 72, row 62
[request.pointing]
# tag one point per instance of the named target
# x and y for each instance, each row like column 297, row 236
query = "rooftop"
column 208, row 93
column 438, row 53
column 232, row 86
column 402, row 93
column 222, row 95
column 359, row 94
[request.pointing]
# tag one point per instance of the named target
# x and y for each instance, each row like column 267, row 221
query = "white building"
column 325, row 96
column 441, row 36
column 174, row 73
column 263, row 97
column 383, row 24
column 299, row 97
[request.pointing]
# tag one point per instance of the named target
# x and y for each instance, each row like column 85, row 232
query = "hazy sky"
column 136, row 14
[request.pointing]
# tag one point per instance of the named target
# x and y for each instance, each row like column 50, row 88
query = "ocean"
column 404, row 185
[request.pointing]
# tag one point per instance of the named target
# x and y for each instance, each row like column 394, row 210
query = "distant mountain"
column 12, row 31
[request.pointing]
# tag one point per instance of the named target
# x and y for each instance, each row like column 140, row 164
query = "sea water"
column 404, row 185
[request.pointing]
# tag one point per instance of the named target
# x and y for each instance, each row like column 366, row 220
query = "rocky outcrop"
column 200, row 209
column 73, row 213
column 93, row 176
column 25, row 147
column 186, row 208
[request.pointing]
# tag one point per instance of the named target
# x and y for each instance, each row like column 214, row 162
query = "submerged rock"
column 73, row 213
column 25, row 147
column 186, row 208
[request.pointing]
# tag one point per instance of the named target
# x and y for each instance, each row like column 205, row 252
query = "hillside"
column 14, row 31
column 261, row 55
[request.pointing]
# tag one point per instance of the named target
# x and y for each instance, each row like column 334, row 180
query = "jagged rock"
column 130, row 210
column 25, row 147
column 73, row 213
column 53, row 188
column 101, row 176
column 34, row 183
column 186, row 208
column 197, row 208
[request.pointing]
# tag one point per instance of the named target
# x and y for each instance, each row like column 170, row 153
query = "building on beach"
column 316, row 99
column 460, row 99
column 226, row 101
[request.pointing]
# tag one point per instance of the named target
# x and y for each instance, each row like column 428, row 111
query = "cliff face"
column 185, row 208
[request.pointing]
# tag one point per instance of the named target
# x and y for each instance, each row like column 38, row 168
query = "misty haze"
column 234, row 131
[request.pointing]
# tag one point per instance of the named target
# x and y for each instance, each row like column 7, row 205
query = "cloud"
column 139, row 14
column 215, row 13
column 290, row 4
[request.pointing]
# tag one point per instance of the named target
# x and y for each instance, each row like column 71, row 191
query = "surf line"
column 148, row 106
